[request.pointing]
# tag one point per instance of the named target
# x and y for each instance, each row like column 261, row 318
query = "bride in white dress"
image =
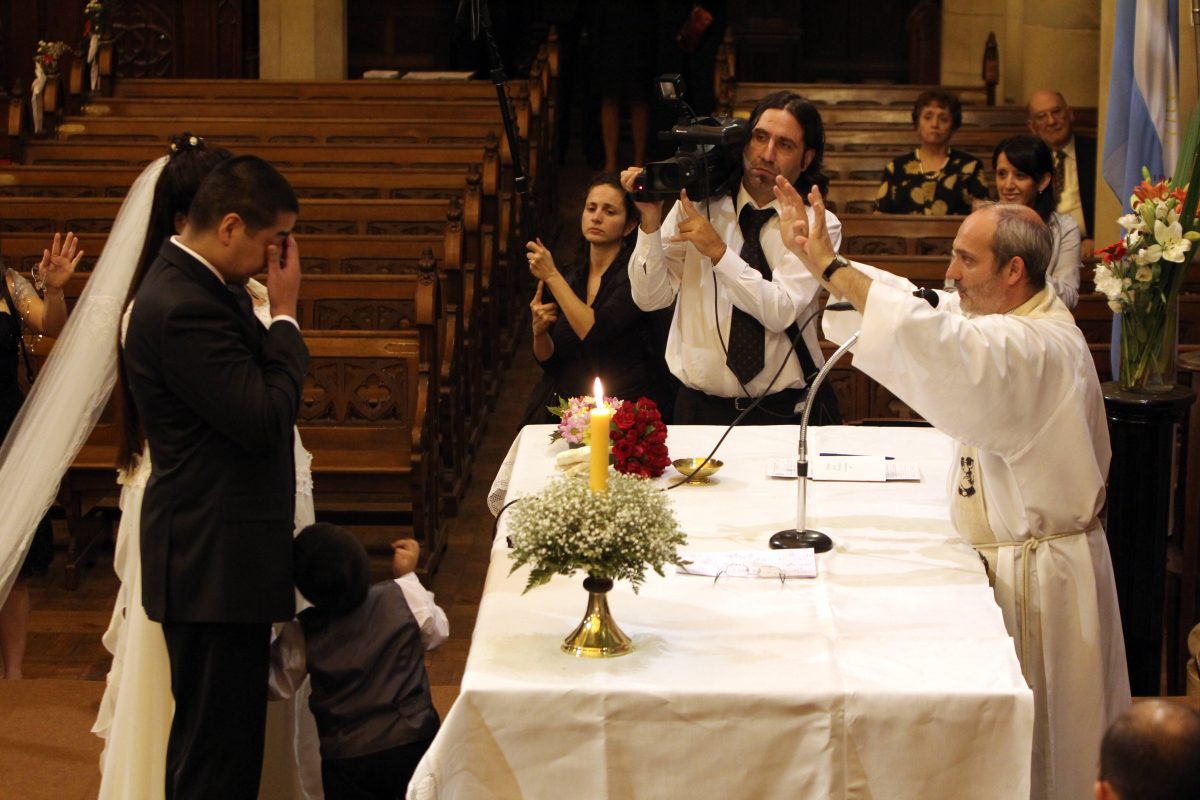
column 136, row 710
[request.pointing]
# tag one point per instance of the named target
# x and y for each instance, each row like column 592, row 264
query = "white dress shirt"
column 661, row 270
column 1063, row 271
column 1070, row 201
column 175, row 241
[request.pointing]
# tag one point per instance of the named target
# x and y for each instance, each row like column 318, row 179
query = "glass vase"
column 1149, row 344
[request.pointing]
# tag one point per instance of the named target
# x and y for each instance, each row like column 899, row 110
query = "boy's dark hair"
column 331, row 568
column 246, row 186
column 1150, row 752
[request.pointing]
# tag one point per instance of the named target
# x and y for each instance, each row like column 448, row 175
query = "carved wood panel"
column 185, row 39
column 361, row 390
column 359, row 314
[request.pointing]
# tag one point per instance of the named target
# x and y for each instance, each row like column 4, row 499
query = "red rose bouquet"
column 639, row 439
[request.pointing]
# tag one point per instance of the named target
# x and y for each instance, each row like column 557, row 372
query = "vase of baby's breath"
column 611, row 535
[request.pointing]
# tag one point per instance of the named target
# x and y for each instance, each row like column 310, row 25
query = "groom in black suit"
column 218, row 396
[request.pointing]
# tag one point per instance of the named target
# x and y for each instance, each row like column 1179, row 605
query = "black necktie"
column 1060, row 172
column 242, row 298
column 746, row 335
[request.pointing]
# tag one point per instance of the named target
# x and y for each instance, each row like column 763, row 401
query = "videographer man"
column 740, row 291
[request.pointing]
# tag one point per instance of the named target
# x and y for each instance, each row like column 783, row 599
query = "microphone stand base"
column 791, row 539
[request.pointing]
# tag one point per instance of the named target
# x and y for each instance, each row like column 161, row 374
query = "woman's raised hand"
column 542, row 314
column 60, row 260
column 541, row 262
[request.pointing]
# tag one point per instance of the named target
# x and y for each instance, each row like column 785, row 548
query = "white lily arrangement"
column 1141, row 276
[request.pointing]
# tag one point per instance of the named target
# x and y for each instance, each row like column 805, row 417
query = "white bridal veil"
column 73, row 386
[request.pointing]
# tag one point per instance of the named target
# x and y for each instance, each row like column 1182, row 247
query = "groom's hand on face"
column 283, row 277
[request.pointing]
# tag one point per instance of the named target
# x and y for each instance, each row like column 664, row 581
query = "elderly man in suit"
column 218, row 396
column 1052, row 120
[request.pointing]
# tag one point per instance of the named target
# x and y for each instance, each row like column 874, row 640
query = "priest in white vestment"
column 1002, row 368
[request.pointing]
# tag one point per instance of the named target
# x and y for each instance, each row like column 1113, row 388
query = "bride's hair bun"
column 186, row 141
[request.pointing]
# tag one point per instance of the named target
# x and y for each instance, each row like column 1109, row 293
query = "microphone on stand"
column 801, row 535
column 928, row 295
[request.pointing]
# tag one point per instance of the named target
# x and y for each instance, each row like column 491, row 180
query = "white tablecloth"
column 888, row 676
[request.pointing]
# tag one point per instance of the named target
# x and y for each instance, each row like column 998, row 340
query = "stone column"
column 302, row 39
column 965, row 28
column 1060, row 49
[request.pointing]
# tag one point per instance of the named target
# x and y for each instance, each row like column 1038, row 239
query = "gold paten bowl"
column 686, row 466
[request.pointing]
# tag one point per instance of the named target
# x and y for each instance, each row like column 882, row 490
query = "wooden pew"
column 282, row 155
column 528, row 97
column 843, row 197
column 367, row 257
column 108, row 109
column 320, row 216
column 896, row 139
column 365, row 418
column 473, row 127
column 731, row 92
column 462, row 182
column 323, row 91
column 871, row 234
column 461, row 185
column 498, row 208
column 498, row 214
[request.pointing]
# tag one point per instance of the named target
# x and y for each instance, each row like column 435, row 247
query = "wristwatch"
column 837, row 263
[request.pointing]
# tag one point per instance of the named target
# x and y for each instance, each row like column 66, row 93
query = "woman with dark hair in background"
column 1024, row 170
column 591, row 326
column 935, row 178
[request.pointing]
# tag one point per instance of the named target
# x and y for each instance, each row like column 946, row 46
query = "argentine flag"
column 1142, row 125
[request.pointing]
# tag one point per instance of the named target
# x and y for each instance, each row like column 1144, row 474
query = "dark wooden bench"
column 365, row 258
column 732, row 92
column 897, row 234
column 499, row 208
column 97, row 116
column 896, row 139
column 473, row 127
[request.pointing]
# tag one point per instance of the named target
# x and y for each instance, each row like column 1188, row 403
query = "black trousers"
column 377, row 776
column 693, row 407
column 219, row 680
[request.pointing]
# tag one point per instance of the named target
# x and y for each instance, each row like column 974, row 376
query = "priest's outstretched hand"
column 814, row 248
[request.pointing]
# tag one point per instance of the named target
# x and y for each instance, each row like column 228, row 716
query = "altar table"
column 890, row 675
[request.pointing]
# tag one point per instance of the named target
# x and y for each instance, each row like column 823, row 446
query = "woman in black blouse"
column 934, row 178
column 590, row 326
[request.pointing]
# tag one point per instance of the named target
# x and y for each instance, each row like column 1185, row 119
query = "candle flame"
column 598, row 394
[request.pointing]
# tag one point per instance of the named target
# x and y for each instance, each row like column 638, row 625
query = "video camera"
column 709, row 158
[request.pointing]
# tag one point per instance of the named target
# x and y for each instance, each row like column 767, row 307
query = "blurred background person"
column 935, row 178
column 689, row 35
column 621, row 46
column 1052, row 120
column 22, row 307
column 1024, row 172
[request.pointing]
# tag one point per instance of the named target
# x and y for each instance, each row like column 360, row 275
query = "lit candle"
column 599, row 418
